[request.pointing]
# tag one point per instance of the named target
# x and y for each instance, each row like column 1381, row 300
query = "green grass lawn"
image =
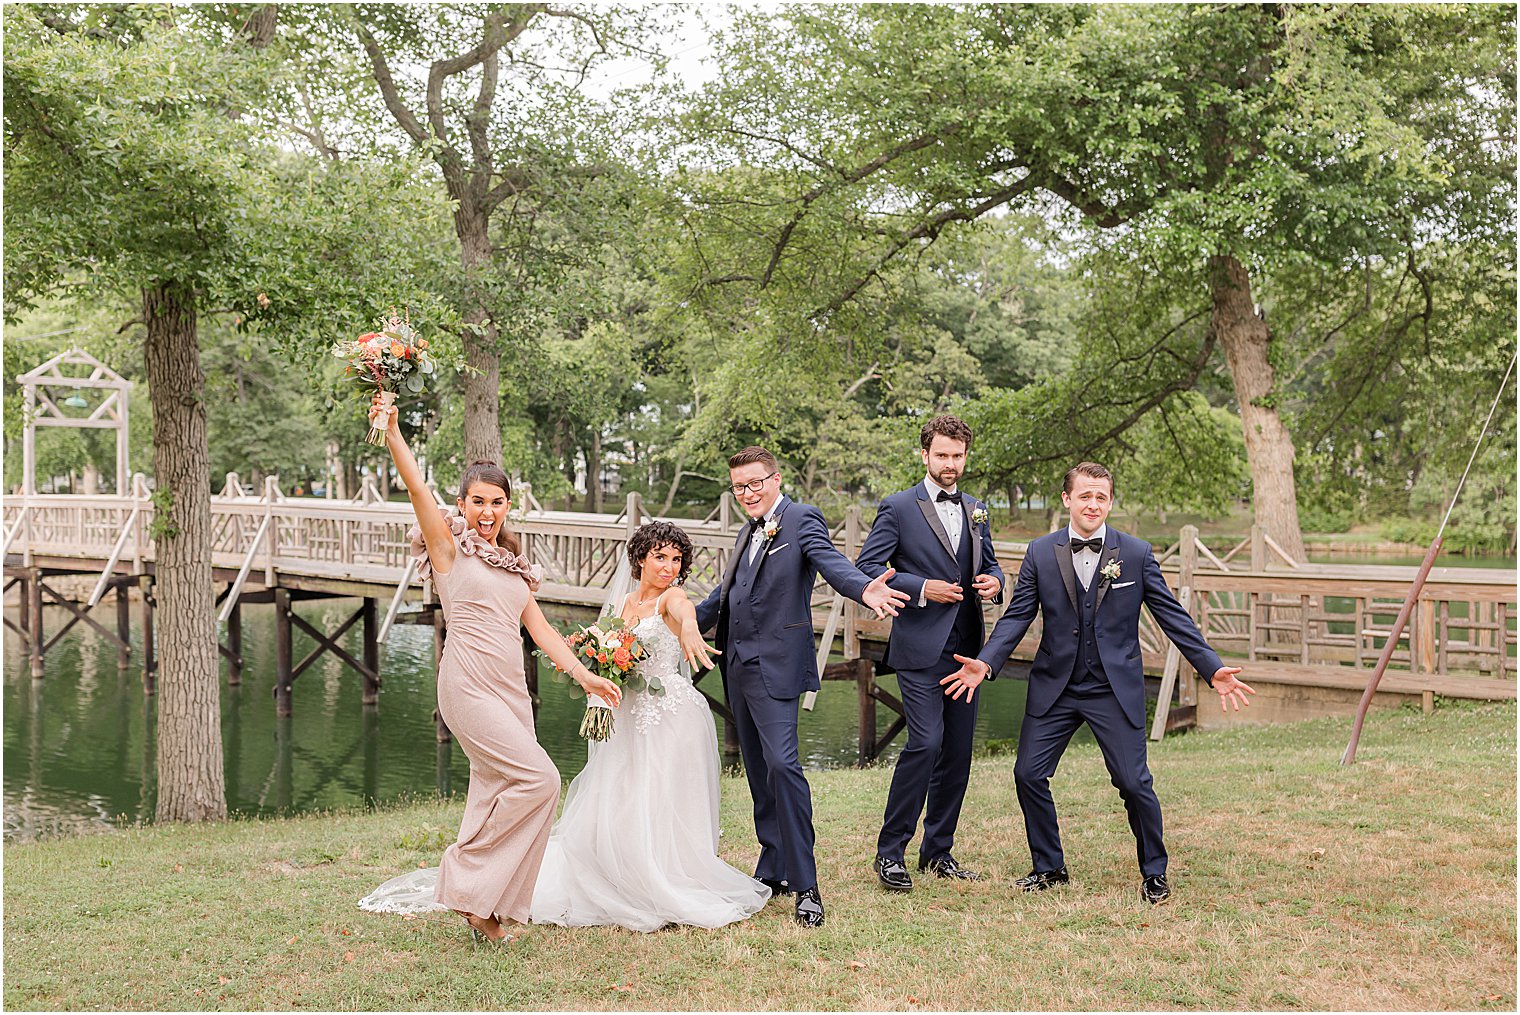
column 1298, row 884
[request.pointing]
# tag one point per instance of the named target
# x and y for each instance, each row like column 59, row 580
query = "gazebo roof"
column 101, row 376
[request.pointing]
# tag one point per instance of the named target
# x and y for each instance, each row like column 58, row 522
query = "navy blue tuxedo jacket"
column 780, row 595
column 909, row 536
column 1047, row 583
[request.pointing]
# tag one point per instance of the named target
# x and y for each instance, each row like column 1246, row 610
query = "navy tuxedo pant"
column 1043, row 739
column 935, row 764
column 767, row 729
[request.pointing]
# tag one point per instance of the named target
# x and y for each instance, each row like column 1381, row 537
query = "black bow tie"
column 954, row 498
column 1095, row 545
column 755, row 525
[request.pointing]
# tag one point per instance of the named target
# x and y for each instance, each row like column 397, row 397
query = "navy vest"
column 967, row 631
column 743, row 625
column 1088, row 671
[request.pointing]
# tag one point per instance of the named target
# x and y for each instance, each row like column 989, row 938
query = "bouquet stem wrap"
column 376, row 436
column 597, row 722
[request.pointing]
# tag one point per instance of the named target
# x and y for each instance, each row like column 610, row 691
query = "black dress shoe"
column 777, row 887
column 893, row 874
column 810, row 908
column 1155, row 890
column 946, row 867
column 1038, row 881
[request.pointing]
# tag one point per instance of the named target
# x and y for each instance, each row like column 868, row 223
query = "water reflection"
column 79, row 744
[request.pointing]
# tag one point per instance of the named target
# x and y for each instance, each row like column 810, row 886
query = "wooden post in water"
column 235, row 644
column 865, row 678
column 283, row 676
column 371, row 625
column 865, row 670
column 440, row 633
column 38, row 636
column 530, row 669
column 150, row 659
column 123, row 625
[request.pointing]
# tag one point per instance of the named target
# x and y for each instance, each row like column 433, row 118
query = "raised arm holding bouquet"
column 486, row 587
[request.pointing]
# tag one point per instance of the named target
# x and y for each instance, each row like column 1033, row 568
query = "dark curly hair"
column 650, row 537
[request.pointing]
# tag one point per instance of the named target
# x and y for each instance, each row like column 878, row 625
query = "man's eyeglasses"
column 753, row 486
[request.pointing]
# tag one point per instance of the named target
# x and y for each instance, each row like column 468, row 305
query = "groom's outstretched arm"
column 1176, row 621
column 876, row 554
column 813, row 539
column 1023, row 607
column 707, row 609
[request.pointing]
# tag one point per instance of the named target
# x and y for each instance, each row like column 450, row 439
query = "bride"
column 636, row 845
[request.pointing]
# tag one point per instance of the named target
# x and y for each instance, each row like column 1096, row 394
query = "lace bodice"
column 664, row 662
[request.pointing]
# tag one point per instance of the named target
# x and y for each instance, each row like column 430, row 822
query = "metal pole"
column 1419, row 582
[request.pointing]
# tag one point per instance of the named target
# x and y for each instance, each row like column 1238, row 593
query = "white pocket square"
column 784, row 546
column 1123, row 585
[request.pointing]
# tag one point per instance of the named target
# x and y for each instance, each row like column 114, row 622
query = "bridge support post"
column 235, row 645
column 440, row 634
column 36, row 639
column 530, row 670
column 371, row 622
column 150, row 658
column 283, row 675
column 865, row 677
column 123, row 625
column 730, row 737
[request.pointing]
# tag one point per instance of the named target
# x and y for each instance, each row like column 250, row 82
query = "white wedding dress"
column 637, row 843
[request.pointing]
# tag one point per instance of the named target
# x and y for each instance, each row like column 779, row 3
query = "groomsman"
column 1089, row 582
column 764, row 629
column 939, row 542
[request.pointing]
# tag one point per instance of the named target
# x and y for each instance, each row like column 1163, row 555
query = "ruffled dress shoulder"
column 472, row 544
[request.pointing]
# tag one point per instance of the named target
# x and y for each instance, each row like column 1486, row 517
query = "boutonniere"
column 772, row 526
column 1111, row 570
column 979, row 516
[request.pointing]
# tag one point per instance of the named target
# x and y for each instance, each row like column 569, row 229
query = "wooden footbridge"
column 1307, row 634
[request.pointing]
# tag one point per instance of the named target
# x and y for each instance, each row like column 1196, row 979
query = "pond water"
column 79, row 744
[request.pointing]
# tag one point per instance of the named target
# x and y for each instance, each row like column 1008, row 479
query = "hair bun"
column 484, row 461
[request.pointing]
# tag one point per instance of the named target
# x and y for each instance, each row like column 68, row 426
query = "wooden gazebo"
column 42, row 387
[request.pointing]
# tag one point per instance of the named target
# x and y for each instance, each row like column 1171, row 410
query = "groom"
column 1089, row 582
column 938, row 540
column 764, row 627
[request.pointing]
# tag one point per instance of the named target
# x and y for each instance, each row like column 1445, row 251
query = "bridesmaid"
column 485, row 585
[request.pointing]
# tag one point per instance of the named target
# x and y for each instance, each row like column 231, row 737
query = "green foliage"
column 163, row 525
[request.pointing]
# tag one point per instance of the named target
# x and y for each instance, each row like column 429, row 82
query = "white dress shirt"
column 1086, row 562
column 951, row 517
column 950, row 513
column 758, row 539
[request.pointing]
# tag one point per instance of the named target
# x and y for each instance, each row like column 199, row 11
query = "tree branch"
column 403, row 116
column 1101, row 214
column 930, row 229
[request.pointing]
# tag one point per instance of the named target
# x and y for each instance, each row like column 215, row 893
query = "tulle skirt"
column 637, row 843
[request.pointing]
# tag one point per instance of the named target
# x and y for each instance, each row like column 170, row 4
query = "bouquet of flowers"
column 393, row 359
column 610, row 649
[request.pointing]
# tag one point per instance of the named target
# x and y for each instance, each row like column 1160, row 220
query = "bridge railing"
column 1303, row 615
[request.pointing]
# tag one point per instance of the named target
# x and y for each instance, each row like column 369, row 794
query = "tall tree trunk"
column 482, row 355
column 191, row 778
column 594, row 472
column 1269, row 447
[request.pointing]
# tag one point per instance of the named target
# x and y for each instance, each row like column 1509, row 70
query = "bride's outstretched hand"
column 697, row 652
